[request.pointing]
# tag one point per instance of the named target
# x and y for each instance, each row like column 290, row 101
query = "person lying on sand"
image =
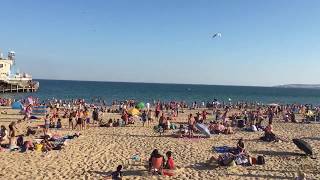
column 222, row 160
column 46, row 145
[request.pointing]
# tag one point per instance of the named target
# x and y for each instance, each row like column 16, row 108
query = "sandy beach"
column 98, row 151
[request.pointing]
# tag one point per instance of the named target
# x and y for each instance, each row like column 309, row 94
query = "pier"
column 11, row 80
column 18, row 87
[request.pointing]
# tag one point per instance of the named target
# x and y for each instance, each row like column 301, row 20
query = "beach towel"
column 33, row 117
column 222, row 149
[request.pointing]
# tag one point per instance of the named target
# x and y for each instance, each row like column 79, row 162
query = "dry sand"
column 99, row 150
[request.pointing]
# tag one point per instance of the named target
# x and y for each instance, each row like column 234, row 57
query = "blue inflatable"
column 17, row 105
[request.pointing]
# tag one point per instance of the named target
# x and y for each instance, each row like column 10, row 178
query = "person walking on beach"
column 144, row 117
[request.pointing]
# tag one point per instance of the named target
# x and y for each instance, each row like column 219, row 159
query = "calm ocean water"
column 148, row 92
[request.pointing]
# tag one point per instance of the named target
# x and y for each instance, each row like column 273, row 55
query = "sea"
column 148, row 92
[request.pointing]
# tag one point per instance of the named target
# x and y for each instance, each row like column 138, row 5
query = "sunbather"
column 156, row 161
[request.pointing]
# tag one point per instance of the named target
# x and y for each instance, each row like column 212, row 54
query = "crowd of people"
column 219, row 118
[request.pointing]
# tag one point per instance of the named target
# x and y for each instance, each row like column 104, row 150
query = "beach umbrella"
column 204, row 129
column 303, row 145
column 134, row 112
column 140, row 105
column 17, row 105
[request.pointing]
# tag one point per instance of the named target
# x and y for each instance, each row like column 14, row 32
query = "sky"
column 263, row 43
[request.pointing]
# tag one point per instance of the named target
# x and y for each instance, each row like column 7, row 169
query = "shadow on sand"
column 125, row 173
column 256, row 176
column 278, row 153
column 201, row 167
column 311, row 138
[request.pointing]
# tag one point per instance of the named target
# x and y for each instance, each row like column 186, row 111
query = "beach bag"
column 173, row 126
column 254, row 160
column 260, row 160
column 38, row 147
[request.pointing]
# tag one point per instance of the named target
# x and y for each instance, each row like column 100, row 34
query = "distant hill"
column 309, row 86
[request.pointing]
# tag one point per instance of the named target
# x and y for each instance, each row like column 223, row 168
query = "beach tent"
column 17, row 105
column 134, row 112
column 140, row 105
column 204, row 129
column 302, row 145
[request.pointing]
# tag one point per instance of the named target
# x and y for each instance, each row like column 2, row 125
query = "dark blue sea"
column 166, row 92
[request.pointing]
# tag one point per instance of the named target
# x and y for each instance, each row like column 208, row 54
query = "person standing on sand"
column 46, row 125
column 86, row 118
column 3, row 134
column 71, row 115
column 12, row 135
column 95, row 115
column 79, row 119
column 144, row 117
column 158, row 111
column 191, row 123
column 149, row 116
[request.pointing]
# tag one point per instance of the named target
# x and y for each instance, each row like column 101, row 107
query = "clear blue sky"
column 263, row 42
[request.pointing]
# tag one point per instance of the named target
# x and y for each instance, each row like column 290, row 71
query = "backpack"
column 260, row 160
column 241, row 123
column 20, row 141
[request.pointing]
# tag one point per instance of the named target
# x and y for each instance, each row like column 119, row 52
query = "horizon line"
column 102, row 81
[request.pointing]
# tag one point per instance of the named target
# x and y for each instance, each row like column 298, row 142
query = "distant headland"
column 307, row 86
